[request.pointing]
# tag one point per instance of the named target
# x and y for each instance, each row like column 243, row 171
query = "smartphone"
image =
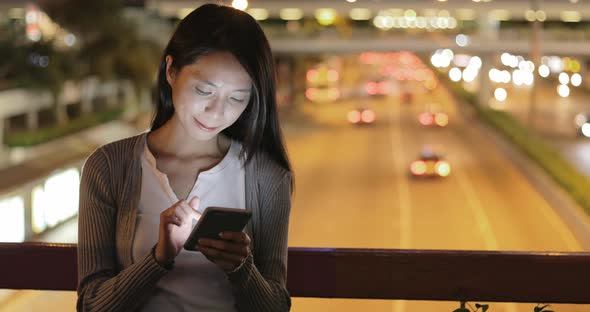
column 216, row 220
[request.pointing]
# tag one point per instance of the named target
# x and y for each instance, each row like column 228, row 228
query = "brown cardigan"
column 108, row 280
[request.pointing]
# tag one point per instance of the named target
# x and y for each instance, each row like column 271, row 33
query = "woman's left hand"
column 229, row 252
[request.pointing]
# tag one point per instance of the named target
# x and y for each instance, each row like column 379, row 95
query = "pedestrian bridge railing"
column 449, row 275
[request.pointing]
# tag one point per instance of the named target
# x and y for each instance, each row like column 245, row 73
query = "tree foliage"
column 109, row 45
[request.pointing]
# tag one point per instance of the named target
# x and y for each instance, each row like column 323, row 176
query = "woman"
column 214, row 141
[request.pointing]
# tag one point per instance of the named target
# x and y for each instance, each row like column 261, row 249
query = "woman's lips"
column 203, row 127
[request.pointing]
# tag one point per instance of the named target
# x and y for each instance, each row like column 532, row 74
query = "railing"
column 494, row 276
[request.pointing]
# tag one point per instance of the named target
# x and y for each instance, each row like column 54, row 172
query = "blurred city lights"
column 570, row 16
column 12, row 219
column 462, row 40
column 441, row 119
column 46, row 207
column 398, row 18
column 571, row 64
column 469, row 74
column 509, row 60
column 555, row 63
column 580, row 119
column 182, row 13
column 465, row 14
column 360, row 14
column 586, row 129
column 461, row 60
column 16, row 13
column 576, row 80
column 455, row 74
column 443, row 13
column 530, row 15
column 258, row 14
column 291, row 14
column 544, row 71
column 500, row 94
column 499, row 76
column 32, row 17
column 443, row 168
column 418, row 167
column 325, row 16
column 425, row 119
column 518, row 77
column 354, row 116
column 240, row 4
column 563, row 90
column 500, row 15
column 332, row 75
column 564, row 78
column 526, row 66
column 368, row 116
column 475, row 61
column 70, row 40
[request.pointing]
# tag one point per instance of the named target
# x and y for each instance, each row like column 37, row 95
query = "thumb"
column 194, row 203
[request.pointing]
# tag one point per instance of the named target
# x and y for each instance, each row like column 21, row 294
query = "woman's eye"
column 238, row 100
column 201, row 92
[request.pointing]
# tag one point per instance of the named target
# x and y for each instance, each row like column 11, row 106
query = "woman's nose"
column 215, row 107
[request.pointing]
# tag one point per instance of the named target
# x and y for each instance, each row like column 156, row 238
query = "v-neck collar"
column 233, row 151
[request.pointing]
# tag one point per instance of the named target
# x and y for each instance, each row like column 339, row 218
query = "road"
column 353, row 191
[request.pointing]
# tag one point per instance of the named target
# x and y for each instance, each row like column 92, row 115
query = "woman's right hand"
column 175, row 227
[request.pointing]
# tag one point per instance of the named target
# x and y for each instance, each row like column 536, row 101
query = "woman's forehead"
column 219, row 68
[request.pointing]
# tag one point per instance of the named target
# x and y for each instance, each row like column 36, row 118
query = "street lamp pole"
column 535, row 54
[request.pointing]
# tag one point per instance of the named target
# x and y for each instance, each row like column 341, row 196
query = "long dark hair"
column 215, row 28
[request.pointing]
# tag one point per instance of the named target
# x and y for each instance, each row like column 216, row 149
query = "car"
column 436, row 119
column 582, row 121
column 430, row 164
column 361, row 116
column 406, row 97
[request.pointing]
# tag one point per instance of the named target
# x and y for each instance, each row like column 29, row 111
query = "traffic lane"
column 344, row 195
column 518, row 216
column 343, row 189
column 487, row 216
column 312, row 184
column 440, row 215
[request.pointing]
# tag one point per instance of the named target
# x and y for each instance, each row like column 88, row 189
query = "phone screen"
column 216, row 220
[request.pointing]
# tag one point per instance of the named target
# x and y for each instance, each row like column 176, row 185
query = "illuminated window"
column 12, row 219
column 56, row 200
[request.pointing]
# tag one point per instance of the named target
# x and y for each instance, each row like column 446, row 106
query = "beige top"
column 195, row 283
column 109, row 279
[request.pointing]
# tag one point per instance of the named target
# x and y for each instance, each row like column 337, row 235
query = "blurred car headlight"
column 443, row 168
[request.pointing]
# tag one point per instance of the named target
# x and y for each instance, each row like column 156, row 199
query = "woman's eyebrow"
column 216, row 86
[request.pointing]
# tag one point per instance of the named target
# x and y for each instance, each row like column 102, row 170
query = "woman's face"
column 209, row 95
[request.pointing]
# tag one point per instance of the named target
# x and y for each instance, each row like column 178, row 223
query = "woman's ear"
column 170, row 73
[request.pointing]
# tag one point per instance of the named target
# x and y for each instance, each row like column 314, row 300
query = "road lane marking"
column 481, row 219
column 556, row 222
column 402, row 188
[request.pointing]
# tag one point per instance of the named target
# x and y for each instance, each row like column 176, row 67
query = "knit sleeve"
column 260, row 283
column 101, row 286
